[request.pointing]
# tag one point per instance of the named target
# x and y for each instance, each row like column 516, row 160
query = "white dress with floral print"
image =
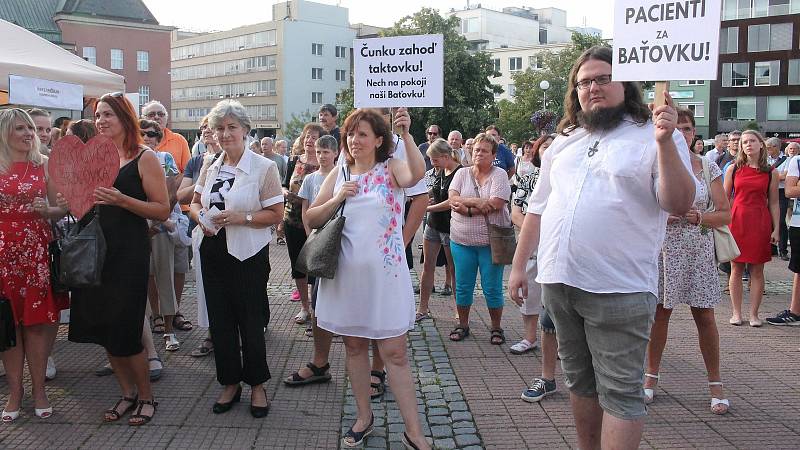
column 371, row 295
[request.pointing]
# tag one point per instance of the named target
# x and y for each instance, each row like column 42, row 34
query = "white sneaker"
column 50, row 372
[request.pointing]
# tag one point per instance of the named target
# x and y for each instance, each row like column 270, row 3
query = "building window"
column 341, row 75
column 341, row 52
column 543, row 36
column 729, row 40
column 737, row 108
column 535, row 62
column 514, row 64
column 316, row 73
column 692, row 83
column 735, row 74
column 735, row 9
column 116, row 59
column 767, row 73
column 470, row 25
column 90, row 54
column 769, row 37
column 316, row 98
column 512, row 90
column 496, row 63
column 142, row 61
column 266, row 38
column 144, row 96
column 794, row 71
column 699, row 109
column 316, row 49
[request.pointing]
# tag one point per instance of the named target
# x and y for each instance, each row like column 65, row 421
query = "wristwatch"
column 248, row 218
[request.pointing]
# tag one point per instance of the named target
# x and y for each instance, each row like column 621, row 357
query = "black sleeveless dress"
column 112, row 315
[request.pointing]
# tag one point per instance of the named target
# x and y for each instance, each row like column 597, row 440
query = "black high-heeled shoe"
column 220, row 408
column 358, row 436
column 260, row 411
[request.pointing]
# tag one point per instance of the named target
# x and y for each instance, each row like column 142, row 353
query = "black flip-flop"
column 459, row 333
column 181, row 324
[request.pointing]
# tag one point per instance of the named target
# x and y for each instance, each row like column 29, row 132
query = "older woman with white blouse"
column 237, row 199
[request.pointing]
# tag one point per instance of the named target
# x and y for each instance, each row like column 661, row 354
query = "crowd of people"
column 615, row 167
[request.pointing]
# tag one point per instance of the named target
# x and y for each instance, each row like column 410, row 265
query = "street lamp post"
column 544, row 85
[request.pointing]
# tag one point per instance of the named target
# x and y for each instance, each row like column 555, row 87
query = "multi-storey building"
column 759, row 68
column 511, row 60
column 122, row 36
column 291, row 65
column 512, row 27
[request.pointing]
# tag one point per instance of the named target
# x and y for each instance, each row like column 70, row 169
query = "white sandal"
column 302, row 317
column 715, row 402
column 171, row 343
column 650, row 393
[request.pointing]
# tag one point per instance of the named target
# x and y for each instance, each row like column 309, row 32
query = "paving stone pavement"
column 467, row 392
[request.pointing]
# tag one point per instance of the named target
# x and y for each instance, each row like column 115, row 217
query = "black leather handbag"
column 83, row 254
column 59, row 230
column 8, row 329
column 319, row 256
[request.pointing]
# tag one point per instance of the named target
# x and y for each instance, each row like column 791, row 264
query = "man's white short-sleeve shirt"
column 602, row 227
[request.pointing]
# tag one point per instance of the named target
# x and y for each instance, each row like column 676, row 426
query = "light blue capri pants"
column 468, row 260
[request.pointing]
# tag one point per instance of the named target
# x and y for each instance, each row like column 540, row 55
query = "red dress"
column 24, row 265
column 751, row 224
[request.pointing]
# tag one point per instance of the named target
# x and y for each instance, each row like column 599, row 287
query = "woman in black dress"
column 112, row 315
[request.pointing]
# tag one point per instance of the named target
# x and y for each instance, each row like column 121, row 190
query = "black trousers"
column 236, row 298
column 782, row 229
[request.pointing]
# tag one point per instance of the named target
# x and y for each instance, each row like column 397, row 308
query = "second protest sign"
column 399, row 71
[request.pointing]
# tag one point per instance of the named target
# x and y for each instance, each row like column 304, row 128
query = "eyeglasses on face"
column 151, row 134
column 433, row 133
column 601, row 80
column 152, row 114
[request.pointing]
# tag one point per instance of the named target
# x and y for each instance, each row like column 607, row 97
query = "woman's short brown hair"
column 483, row 137
column 379, row 126
column 84, row 129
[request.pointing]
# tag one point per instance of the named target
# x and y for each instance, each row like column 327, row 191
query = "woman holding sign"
column 371, row 295
column 112, row 314
column 24, row 274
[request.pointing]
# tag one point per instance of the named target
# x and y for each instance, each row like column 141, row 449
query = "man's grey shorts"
column 602, row 339
column 181, row 259
column 429, row 234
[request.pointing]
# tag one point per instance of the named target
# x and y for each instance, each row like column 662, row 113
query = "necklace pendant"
column 593, row 149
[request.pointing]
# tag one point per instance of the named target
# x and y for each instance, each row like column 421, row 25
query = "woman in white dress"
column 371, row 296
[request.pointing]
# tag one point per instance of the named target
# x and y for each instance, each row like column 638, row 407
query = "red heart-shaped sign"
column 77, row 169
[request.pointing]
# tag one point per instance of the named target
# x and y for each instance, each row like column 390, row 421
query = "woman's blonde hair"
column 440, row 148
column 7, row 119
column 741, row 157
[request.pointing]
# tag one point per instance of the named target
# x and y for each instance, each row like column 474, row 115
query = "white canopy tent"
column 26, row 54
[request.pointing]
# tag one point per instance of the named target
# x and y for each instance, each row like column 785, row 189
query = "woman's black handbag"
column 8, row 329
column 59, row 229
column 83, row 253
column 319, row 256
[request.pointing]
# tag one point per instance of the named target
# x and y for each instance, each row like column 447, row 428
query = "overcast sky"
column 207, row 15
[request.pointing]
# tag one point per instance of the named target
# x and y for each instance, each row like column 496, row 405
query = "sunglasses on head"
column 151, row 134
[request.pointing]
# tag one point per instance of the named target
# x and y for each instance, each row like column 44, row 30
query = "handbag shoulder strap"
column 477, row 191
column 707, row 178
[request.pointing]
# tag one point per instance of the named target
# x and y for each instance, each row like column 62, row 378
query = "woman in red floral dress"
column 24, row 266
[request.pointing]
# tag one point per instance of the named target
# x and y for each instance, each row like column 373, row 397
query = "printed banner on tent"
column 399, row 71
column 44, row 93
column 661, row 41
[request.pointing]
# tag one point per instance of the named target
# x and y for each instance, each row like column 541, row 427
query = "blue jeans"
column 467, row 261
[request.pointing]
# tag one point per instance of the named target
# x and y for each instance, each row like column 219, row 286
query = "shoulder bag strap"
column 707, row 177
column 478, row 192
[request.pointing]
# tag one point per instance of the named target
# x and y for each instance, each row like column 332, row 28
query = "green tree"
column 468, row 94
column 514, row 117
column 294, row 127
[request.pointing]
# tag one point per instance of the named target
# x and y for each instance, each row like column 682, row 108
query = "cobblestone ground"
column 467, row 392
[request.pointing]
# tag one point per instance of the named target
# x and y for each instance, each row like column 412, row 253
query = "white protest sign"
column 666, row 40
column 44, row 93
column 399, row 71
